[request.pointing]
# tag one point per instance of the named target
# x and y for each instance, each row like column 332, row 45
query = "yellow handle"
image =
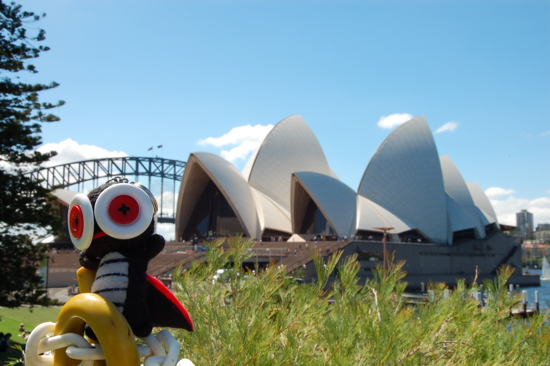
column 85, row 278
column 109, row 325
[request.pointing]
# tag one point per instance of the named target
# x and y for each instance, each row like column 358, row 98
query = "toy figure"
column 114, row 226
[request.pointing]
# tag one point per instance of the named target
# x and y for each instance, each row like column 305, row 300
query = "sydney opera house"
column 287, row 187
column 441, row 225
column 288, row 198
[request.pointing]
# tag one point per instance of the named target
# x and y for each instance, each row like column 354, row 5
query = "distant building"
column 524, row 222
column 543, row 227
column 542, row 236
column 531, row 251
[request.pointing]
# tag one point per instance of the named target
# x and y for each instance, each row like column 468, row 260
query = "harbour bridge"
column 163, row 177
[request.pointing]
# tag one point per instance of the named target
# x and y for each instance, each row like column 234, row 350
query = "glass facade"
column 270, row 235
column 413, row 236
column 369, row 235
column 463, row 235
column 315, row 222
column 212, row 216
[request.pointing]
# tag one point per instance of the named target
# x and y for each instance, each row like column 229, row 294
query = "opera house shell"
column 287, row 188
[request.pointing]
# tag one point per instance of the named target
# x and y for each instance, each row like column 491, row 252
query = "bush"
column 269, row 319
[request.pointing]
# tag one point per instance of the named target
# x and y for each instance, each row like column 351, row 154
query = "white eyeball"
column 81, row 221
column 123, row 211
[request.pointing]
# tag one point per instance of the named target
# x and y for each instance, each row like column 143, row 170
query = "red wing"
column 165, row 309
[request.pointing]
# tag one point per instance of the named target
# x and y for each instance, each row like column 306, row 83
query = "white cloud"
column 240, row 152
column 506, row 209
column 394, row 120
column 449, row 126
column 496, row 192
column 166, row 230
column 247, row 138
column 547, row 133
column 69, row 151
column 167, row 199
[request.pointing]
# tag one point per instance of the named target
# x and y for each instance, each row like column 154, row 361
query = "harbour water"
column 543, row 289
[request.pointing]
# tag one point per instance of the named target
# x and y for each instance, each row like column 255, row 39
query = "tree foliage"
column 24, row 204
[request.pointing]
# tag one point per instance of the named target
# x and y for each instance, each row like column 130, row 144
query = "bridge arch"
column 94, row 170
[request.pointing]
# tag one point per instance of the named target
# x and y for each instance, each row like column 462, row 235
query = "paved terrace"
column 293, row 255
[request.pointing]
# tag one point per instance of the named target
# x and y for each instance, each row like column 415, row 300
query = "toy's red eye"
column 76, row 222
column 81, row 221
column 123, row 211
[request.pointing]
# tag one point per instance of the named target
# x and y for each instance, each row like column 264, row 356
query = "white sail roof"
column 335, row 200
column 457, row 190
column 371, row 215
column 404, row 176
column 270, row 214
column 202, row 167
column 482, row 202
column 290, row 147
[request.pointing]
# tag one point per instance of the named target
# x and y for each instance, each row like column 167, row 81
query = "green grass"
column 30, row 317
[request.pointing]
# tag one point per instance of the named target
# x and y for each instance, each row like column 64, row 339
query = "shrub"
column 266, row 318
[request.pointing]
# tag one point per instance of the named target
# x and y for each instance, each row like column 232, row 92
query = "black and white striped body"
column 122, row 280
column 112, row 279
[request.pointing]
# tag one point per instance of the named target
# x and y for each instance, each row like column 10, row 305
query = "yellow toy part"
column 85, row 278
column 110, row 327
column 116, row 343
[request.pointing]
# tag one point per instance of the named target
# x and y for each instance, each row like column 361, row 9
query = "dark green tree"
column 25, row 209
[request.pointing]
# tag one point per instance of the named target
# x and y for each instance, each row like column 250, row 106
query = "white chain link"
column 41, row 341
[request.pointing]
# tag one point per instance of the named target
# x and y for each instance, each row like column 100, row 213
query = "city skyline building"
column 524, row 222
column 542, row 236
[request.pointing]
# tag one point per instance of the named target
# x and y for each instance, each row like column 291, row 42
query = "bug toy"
column 114, row 226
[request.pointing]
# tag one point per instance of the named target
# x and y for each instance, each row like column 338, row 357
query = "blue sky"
column 136, row 74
